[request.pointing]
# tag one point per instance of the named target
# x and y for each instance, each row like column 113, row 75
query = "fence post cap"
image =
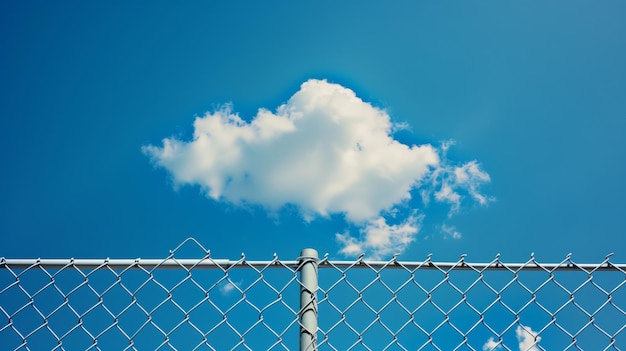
column 310, row 253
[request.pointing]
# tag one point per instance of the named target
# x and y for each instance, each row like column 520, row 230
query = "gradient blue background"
column 535, row 91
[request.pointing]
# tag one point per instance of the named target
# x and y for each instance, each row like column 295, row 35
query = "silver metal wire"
column 204, row 303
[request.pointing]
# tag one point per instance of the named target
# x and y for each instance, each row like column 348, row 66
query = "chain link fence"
column 204, row 303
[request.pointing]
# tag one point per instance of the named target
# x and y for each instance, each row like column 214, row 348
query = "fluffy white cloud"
column 325, row 151
column 527, row 338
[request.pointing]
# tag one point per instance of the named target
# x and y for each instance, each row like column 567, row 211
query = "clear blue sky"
column 533, row 92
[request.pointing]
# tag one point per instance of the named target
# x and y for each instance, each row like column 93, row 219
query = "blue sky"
column 532, row 94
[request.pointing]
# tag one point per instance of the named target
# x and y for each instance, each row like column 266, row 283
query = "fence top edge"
column 208, row 263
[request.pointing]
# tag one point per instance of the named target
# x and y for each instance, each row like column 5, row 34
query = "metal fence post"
column 308, row 299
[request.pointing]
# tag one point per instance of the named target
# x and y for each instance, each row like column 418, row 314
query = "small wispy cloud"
column 327, row 152
column 450, row 231
column 450, row 183
column 229, row 286
column 379, row 239
column 491, row 345
column 528, row 340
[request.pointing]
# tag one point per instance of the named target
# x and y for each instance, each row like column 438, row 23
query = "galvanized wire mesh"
column 203, row 303
column 467, row 306
column 170, row 304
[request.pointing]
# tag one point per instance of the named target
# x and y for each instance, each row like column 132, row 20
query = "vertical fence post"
column 308, row 299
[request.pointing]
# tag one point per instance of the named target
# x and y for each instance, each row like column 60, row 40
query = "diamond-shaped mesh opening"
column 7, row 278
column 610, row 281
column 428, row 280
column 63, row 320
column 8, row 336
column 281, row 321
column 260, row 294
column 557, row 339
column 411, row 336
column 591, row 338
column 610, row 319
column 33, row 279
column 151, row 295
column 516, row 295
column 185, row 336
column 534, row 313
column 42, row 339
column 446, row 337
column 133, row 279
column 242, row 315
column 167, row 316
column 188, row 295
column 394, row 317
column 77, row 338
column 479, row 335
column 463, row 318
column 480, row 296
column 570, row 281
column 340, row 297
column 361, row 279
column 376, row 335
column 572, row 318
column 534, row 280
column 590, row 297
column 341, row 337
column 497, row 280
column 463, row 280
column 552, row 297
column 411, row 297
column 48, row 300
column 117, row 300
column 149, row 337
column 223, row 337
column 205, row 315
column 498, row 318
column 132, row 319
column 376, row 297
column 12, row 299
column 428, row 317
column 82, row 300
column 111, row 337
column 359, row 316
column 28, row 320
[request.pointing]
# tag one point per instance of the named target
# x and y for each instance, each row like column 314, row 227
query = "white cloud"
column 451, row 182
column 527, row 338
column 450, row 231
column 379, row 239
column 228, row 286
column 325, row 151
column 491, row 345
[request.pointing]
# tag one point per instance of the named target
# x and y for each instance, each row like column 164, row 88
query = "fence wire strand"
column 204, row 303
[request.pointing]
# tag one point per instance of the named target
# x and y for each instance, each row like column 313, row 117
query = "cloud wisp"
column 528, row 340
column 379, row 239
column 229, row 286
column 325, row 151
